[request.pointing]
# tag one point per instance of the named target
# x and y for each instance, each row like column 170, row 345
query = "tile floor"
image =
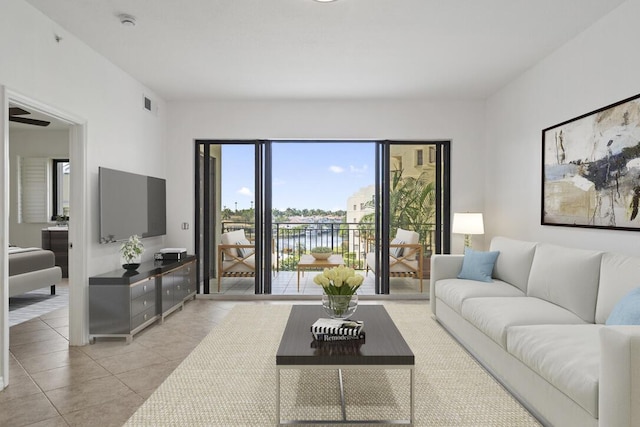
column 52, row 384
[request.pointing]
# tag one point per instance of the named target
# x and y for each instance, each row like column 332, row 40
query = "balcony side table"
column 308, row 262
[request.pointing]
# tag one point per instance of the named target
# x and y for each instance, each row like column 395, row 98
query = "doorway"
column 78, row 311
column 284, row 198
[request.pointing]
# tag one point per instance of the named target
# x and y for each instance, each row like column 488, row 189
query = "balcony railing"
column 351, row 240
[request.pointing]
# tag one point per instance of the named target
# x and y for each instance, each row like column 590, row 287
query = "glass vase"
column 340, row 306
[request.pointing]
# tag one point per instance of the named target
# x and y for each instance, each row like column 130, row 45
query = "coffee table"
column 308, row 262
column 384, row 348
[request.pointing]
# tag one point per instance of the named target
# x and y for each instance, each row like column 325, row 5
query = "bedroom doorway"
column 77, row 333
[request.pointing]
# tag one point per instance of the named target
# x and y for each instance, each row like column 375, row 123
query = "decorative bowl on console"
column 321, row 252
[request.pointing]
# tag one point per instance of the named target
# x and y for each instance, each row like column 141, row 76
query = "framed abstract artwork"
column 591, row 169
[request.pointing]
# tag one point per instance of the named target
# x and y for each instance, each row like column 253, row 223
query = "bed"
column 31, row 269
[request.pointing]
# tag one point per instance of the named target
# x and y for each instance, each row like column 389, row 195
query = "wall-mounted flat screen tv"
column 131, row 204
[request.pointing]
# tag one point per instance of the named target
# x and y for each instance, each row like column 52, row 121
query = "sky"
column 305, row 174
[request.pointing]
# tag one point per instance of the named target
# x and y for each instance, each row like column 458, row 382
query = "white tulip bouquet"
column 339, row 280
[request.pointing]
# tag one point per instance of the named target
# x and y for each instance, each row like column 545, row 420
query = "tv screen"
column 131, row 204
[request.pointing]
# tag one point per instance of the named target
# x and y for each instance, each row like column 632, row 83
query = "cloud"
column 244, row 191
column 355, row 169
column 336, row 169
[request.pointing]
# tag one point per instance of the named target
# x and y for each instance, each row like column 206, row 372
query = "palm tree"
column 411, row 205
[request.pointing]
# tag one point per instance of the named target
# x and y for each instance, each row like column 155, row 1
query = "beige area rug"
column 229, row 380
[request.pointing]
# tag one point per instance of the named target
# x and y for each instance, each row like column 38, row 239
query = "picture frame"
column 591, row 169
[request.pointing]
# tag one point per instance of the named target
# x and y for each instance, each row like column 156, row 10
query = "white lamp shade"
column 467, row 223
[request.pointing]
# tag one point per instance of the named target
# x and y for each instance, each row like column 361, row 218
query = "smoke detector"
column 127, row 20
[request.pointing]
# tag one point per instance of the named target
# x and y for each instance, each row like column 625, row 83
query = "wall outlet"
column 185, row 225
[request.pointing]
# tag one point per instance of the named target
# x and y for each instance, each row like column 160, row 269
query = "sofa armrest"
column 619, row 391
column 442, row 267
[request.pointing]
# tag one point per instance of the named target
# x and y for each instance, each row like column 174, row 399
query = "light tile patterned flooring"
column 52, row 384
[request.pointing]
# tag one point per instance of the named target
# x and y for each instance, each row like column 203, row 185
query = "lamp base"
column 467, row 241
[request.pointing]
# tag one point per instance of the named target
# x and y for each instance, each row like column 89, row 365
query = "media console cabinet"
column 122, row 303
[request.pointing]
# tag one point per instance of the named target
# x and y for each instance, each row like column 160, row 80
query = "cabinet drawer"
column 143, row 303
column 143, row 317
column 143, row 288
column 180, row 291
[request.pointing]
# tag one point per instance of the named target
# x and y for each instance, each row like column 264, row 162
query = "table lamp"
column 467, row 223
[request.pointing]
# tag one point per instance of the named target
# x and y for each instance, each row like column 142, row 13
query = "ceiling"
column 348, row 49
column 54, row 124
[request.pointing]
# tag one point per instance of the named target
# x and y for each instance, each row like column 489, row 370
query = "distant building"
column 359, row 204
column 414, row 160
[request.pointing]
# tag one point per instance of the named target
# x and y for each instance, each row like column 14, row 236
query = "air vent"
column 149, row 105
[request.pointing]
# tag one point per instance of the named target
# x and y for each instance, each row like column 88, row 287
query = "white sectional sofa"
column 539, row 328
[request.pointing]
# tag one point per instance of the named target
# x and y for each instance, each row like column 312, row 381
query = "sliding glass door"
column 412, row 206
column 262, row 206
column 321, row 194
column 228, row 237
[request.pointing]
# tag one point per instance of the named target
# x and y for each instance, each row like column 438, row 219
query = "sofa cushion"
column 494, row 316
column 514, row 263
column 230, row 238
column 246, row 266
column 396, row 251
column 409, row 238
column 454, row 291
column 395, row 266
column 627, row 310
column 568, row 356
column 566, row 277
column 244, row 252
column 478, row 265
column 619, row 274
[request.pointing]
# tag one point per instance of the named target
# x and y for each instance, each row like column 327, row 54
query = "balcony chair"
column 236, row 256
column 405, row 256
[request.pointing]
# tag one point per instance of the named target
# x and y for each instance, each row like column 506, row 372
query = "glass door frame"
column 262, row 183
column 263, row 206
column 442, row 244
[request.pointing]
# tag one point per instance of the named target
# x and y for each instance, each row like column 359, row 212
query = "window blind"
column 33, row 190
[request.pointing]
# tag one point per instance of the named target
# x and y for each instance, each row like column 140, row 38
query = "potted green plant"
column 321, row 252
column 131, row 252
column 412, row 207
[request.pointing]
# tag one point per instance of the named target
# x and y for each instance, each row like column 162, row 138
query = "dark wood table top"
column 383, row 343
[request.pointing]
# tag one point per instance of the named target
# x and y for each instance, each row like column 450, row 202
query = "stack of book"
column 336, row 330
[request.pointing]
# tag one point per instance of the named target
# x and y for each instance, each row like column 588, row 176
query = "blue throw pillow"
column 478, row 265
column 627, row 310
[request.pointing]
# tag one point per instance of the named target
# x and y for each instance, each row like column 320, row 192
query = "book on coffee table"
column 338, row 327
column 338, row 338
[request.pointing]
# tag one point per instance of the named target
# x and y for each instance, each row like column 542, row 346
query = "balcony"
column 291, row 240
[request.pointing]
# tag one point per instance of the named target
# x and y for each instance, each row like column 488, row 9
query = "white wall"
column 597, row 68
column 461, row 122
column 53, row 144
column 73, row 78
